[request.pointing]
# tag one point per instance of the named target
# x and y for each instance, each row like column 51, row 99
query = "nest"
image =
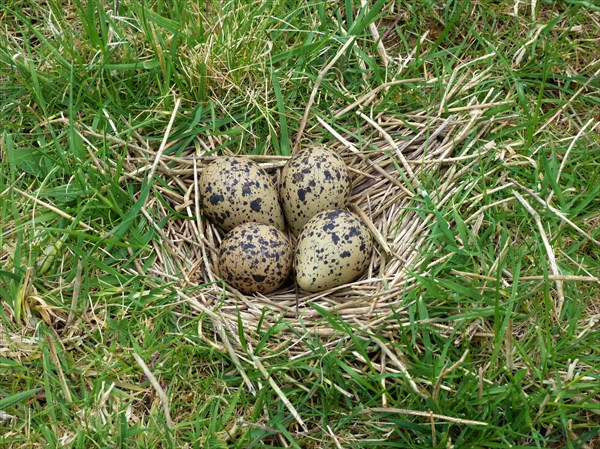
column 387, row 194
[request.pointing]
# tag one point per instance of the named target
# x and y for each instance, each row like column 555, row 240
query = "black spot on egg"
column 248, row 246
column 354, row 231
column 255, row 205
column 216, row 199
column 247, row 189
column 329, row 226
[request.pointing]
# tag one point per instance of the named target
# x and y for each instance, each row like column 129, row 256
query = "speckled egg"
column 334, row 248
column 255, row 257
column 314, row 180
column 235, row 190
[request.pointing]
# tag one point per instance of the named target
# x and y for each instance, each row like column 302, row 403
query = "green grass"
column 82, row 84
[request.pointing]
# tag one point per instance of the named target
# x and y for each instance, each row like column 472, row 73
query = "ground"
column 109, row 335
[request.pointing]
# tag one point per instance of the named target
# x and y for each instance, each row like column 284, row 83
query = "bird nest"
column 388, row 169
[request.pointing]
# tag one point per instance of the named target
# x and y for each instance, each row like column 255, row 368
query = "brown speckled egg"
column 235, row 190
column 333, row 249
column 314, row 180
column 255, row 257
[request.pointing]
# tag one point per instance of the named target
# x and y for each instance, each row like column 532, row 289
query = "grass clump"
column 104, row 338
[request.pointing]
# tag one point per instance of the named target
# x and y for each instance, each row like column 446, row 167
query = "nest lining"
column 385, row 180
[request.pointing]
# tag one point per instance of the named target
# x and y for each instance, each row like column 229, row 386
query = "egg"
column 333, row 249
column 314, row 180
column 255, row 257
column 236, row 190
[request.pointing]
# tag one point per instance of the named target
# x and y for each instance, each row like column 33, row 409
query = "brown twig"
column 445, row 372
column 549, row 252
column 555, row 211
column 162, row 396
column 403, row 411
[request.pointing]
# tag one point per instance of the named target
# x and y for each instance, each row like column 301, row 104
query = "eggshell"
column 255, row 257
column 313, row 181
column 236, row 190
column 333, row 249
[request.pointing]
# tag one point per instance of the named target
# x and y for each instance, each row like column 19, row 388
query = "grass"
column 503, row 351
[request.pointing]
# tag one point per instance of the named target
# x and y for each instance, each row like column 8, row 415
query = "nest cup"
column 387, row 195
